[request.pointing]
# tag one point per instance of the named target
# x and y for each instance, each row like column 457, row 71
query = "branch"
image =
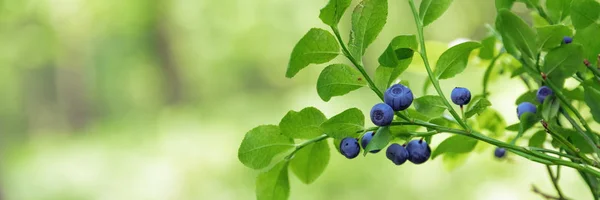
column 304, row 144
column 591, row 68
column 522, row 151
column 546, row 196
column 432, row 78
column 487, row 74
column 361, row 68
column 555, row 182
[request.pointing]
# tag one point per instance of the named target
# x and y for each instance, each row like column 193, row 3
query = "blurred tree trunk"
column 71, row 87
column 163, row 48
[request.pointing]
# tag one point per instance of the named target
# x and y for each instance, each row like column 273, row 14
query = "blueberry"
column 382, row 114
column 349, row 147
column 418, row 151
column 542, row 93
column 500, row 152
column 567, row 39
column 399, row 97
column 366, row 138
column 460, row 96
column 525, row 107
column 397, row 154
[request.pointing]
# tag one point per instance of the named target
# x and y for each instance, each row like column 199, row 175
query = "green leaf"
column 518, row 32
column 399, row 51
column 430, row 10
column 504, row 4
column 519, row 71
column 584, row 13
column 574, row 137
column 345, row 124
column 430, row 105
column 333, row 11
column 305, row 124
column 592, row 97
column 385, row 76
column 563, row 62
column 550, row 108
column 538, row 139
column 316, row 47
column 338, row 80
column 492, row 121
column 380, row 140
column 580, row 142
column 538, row 20
column 310, row 162
column 261, row 144
column 558, row 9
column 513, row 127
column 530, row 3
column 412, row 113
column 368, row 19
column 527, row 120
column 588, row 37
column 574, row 94
column 273, row 184
column 529, row 96
column 402, row 131
column 478, row 107
column 454, row 60
column 336, row 144
column 455, row 144
column 552, row 36
column 488, row 49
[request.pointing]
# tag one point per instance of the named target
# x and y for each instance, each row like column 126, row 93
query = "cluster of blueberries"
column 397, row 98
column 525, row 107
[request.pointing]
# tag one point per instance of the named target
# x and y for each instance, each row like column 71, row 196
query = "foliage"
column 543, row 57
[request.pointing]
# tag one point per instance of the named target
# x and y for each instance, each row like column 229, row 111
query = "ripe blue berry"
column 500, row 152
column 418, row 151
column 567, row 39
column 542, row 93
column 525, row 107
column 397, row 154
column 366, row 138
column 349, row 147
column 382, row 114
column 399, row 97
column 460, row 96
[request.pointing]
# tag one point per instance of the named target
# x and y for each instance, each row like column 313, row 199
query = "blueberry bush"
column 562, row 43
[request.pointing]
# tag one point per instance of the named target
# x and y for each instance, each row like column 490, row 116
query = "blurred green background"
column 150, row 99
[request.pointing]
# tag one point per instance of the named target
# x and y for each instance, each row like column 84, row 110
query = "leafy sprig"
column 537, row 55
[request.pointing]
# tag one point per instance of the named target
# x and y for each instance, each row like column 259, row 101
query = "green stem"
column 554, row 152
column 304, row 144
column 571, row 147
column 531, row 155
column 594, row 70
column 357, row 64
column 565, row 102
column 525, row 82
column 557, row 172
column 361, row 68
column 432, row 78
column 421, row 134
column 555, row 183
column 544, row 15
column 487, row 74
column 581, row 132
